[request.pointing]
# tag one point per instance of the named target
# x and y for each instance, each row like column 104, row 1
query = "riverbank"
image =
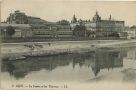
column 20, row 50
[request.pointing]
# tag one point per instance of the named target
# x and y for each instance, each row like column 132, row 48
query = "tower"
column 74, row 19
column 96, row 17
column 110, row 17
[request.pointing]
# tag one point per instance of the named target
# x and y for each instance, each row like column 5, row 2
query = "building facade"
column 101, row 28
column 52, row 31
column 131, row 31
column 17, row 18
column 34, row 27
column 39, row 28
column 21, row 30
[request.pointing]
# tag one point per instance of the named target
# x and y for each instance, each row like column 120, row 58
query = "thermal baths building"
column 33, row 27
column 98, row 28
column 52, row 31
column 39, row 28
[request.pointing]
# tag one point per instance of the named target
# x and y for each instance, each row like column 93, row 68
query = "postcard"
column 68, row 45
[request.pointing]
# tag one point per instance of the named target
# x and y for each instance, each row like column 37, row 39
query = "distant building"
column 131, row 31
column 101, row 28
column 74, row 19
column 46, row 30
column 21, row 30
column 42, row 33
column 64, row 31
column 39, row 28
column 17, row 18
column 52, row 31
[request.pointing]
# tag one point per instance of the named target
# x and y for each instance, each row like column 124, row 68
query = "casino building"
column 98, row 28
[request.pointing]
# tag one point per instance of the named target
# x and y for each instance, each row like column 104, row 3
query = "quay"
column 58, row 48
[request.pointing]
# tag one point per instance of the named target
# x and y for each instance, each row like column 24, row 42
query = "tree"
column 10, row 31
column 79, row 31
column 132, row 27
column 63, row 22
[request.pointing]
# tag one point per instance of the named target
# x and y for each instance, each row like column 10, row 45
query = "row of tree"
column 9, row 32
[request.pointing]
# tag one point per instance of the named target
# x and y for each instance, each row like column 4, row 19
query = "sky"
column 55, row 10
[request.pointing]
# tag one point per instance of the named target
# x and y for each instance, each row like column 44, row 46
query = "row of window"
column 52, row 34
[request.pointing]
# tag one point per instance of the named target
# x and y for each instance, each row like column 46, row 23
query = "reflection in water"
column 106, row 59
column 95, row 60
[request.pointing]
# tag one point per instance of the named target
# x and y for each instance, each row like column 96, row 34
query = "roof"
column 15, row 25
column 112, row 21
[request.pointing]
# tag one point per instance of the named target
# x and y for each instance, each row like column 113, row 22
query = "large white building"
column 101, row 28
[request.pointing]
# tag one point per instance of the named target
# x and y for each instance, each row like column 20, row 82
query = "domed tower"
column 96, row 17
column 74, row 19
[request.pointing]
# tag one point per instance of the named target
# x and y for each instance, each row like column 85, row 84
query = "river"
column 104, row 64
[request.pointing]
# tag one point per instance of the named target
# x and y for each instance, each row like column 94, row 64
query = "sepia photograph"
column 67, row 45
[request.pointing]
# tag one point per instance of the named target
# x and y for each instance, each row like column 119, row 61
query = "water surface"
column 99, row 65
